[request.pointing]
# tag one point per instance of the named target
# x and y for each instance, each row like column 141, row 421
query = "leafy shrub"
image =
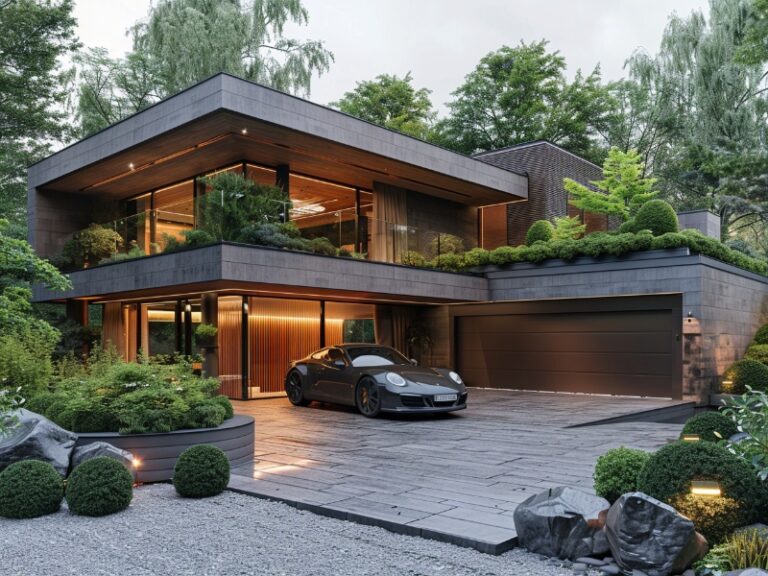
column 321, row 246
column 750, row 413
column 413, row 258
column 741, row 550
column 132, row 398
column 25, row 362
column 743, row 373
column 98, row 487
column 669, row 472
column 444, row 243
column 450, row 261
column 91, row 246
column 569, row 228
column 761, row 336
column 477, row 257
column 617, row 471
column 657, row 216
column 757, row 352
column 627, row 227
column 29, row 489
column 10, row 402
column 540, row 231
column 708, row 425
column 716, row 517
column 224, row 402
column 201, row 471
column 206, row 334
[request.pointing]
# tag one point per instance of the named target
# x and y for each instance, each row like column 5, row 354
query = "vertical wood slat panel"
column 334, row 331
column 279, row 331
column 230, row 318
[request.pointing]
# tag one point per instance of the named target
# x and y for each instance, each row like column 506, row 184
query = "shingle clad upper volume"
column 546, row 165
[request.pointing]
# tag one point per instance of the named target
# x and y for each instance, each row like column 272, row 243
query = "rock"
column 689, row 572
column 95, row 449
column 754, row 572
column 610, row 569
column 650, row 536
column 590, row 561
column 562, row 522
column 36, row 438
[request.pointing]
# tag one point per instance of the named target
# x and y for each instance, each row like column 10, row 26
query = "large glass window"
column 174, row 211
column 349, row 323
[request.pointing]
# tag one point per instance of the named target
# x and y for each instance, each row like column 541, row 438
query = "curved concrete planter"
column 158, row 452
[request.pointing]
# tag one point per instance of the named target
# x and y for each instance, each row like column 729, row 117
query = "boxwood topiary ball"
column 705, row 425
column 761, row 336
column 657, row 216
column 201, row 471
column 668, row 475
column 743, row 373
column 98, row 487
column 541, row 230
column 29, row 489
column 617, row 470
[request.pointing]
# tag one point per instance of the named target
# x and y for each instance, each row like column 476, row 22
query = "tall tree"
column 36, row 35
column 392, row 102
column 184, row 41
column 520, row 94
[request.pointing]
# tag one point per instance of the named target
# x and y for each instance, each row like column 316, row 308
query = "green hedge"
column 600, row 244
column 761, row 336
column 201, row 471
column 30, row 488
column 708, row 425
column 757, row 352
column 743, row 373
column 657, row 216
column 540, row 231
column 98, row 487
column 617, row 471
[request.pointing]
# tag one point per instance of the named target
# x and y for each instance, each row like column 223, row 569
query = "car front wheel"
column 368, row 398
column 294, row 389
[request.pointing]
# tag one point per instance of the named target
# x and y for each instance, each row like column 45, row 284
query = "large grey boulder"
column 34, row 437
column 96, row 449
column 648, row 535
column 562, row 522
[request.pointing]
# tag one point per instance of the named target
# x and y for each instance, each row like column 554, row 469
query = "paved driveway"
column 456, row 477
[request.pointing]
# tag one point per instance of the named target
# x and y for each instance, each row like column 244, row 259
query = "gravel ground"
column 162, row 534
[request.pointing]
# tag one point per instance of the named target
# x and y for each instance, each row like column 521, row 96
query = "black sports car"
column 375, row 379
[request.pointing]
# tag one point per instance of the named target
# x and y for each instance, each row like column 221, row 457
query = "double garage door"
column 625, row 346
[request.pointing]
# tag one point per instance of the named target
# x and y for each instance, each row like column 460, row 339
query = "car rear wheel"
column 368, row 398
column 294, row 390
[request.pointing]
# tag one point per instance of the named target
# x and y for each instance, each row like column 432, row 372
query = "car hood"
column 428, row 376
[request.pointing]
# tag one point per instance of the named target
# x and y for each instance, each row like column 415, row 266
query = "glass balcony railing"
column 211, row 219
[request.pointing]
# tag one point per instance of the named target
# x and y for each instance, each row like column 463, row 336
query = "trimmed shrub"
column 225, row 403
column 716, row 517
column 627, row 227
column 29, row 489
column 706, row 425
column 99, row 487
column 669, row 472
column 201, row 471
column 451, row 261
column 413, row 258
column 743, row 373
column 477, row 257
column 758, row 352
column 617, row 471
column 761, row 336
column 657, row 216
column 541, row 230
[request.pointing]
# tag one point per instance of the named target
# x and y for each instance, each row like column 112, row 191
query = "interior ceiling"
column 223, row 138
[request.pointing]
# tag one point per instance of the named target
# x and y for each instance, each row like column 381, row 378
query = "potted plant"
column 206, row 335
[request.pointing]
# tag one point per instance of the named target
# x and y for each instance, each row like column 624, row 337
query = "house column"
column 77, row 311
column 209, row 308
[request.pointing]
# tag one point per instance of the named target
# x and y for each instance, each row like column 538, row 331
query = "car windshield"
column 375, row 356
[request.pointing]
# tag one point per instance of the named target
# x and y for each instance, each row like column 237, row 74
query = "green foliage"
column 540, row 231
column 710, row 427
column 716, row 517
column 182, row 42
column 98, row 487
column 450, row 261
column 522, row 94
column 91, row 246
column 392, row 102
column 669, row 472
column 110, row 395
column 413, row 258
column 569, row 228
column 477, row 257
column 10, row 402
column 757, row 352
column 37, row 38
column 742, row 374
column 657, row 216
column 30, row 488
column 206, row 331
column 617, row 471
column 750, row 413
column 621, row 192
column 444, row 243
column 741, row 550
column 201, row 471
column 761, row 336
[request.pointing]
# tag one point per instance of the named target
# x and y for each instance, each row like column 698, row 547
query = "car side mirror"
column 339, row 363
column 414, row 362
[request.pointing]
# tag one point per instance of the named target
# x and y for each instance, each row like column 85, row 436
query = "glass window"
column 349, row 323
column 174, row 211
column 376, row 356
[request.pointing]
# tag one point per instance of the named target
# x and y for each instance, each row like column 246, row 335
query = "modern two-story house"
column 613, row 327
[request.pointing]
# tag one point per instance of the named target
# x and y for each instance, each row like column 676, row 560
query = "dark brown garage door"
column 627, row 346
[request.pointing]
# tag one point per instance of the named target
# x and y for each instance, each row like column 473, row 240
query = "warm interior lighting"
column 705, row 488
column 691, row 438
column 170, row 316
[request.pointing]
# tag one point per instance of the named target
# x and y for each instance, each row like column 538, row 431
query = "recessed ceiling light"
column 244, row 130
column 131, row 166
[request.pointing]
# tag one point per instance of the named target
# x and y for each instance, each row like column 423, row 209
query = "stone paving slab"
column 456, row 478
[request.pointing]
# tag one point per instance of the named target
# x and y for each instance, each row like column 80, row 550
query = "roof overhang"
column 225, row 119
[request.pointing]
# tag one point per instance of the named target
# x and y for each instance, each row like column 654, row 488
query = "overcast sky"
column 439, row 41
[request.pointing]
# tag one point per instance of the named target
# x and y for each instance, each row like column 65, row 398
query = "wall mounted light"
column 188, row 307
column 690, row 438
column 727, row 386
column 245, row 307
column 705, row 488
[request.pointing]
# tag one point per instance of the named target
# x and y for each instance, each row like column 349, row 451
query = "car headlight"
column 455, row 377
column 395, row 379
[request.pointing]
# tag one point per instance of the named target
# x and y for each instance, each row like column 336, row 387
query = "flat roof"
column 226, row 119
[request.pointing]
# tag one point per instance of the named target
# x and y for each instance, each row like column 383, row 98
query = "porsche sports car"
column 375, row 379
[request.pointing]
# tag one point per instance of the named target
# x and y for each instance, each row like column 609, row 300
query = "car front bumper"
column 420, row 403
